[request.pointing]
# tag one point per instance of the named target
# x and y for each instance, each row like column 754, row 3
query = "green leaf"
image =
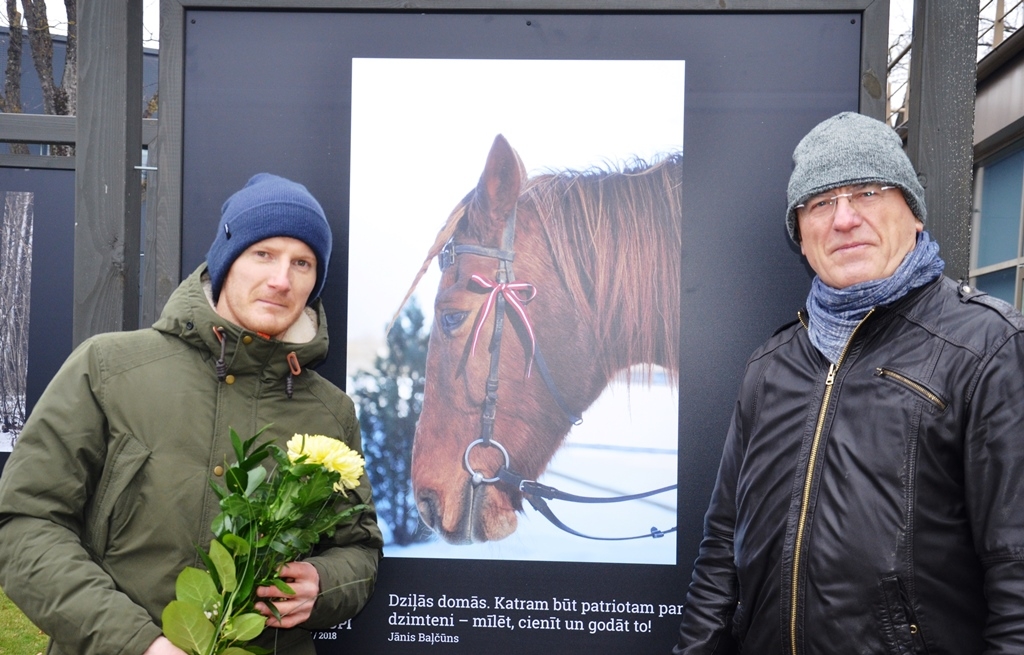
column 236, row 443
column 273, row 608
column 187, row 627
column 317, row 490
column 221, row 524
column 236, row 544
column 245, row 627
column 349, row 514
column 264, row 450
column 224, row 564
column 256, row 478
column 302, row 470
column 284, row 503
column 249, row 442
column 281, row 457
column 195, row 586
column 236, row 505
column 235, row 650
column 289, row 543
column 247, row 580
column 236, row 480
column 219, row 490
column 279, row 547
column 208, row 563
column 282, row 586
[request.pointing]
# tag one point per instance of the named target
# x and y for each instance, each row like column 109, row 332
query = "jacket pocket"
column 122, row 465
column 902, row 633
column 739, row 621
column 739, row 624
column 918, row 388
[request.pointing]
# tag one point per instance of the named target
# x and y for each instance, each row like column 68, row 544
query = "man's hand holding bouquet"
column 268, row 520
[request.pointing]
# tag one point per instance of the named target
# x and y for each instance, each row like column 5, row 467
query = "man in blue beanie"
column 869, row 494
column 107, row 493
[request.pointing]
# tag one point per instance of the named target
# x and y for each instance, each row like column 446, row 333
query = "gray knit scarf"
column 835, row 313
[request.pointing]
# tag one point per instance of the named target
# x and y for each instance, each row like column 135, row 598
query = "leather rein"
column 504, row 292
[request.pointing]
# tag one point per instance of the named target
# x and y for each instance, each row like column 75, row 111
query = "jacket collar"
column 190, row 315
column 900, row 306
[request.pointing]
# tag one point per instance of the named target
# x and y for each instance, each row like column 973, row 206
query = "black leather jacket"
column 876, row 506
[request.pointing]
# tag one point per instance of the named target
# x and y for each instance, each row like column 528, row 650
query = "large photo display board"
column 586, row 209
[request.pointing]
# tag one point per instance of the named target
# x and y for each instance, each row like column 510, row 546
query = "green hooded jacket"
column 107, row 492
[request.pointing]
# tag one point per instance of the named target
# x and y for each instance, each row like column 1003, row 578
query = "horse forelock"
column 616, row 238
column 443, row 235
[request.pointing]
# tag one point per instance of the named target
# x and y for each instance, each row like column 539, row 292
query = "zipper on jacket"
column 916, row 387
column 809, row 481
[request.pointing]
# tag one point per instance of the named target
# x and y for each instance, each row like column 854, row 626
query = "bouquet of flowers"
column 267, row 519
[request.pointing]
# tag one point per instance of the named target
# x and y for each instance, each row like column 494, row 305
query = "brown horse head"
column 559, row 296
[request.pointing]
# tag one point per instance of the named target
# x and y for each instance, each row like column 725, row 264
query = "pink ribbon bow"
column 517, row 294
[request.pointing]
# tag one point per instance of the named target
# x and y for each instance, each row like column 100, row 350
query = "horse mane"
column 605, row 228
column 616, row 239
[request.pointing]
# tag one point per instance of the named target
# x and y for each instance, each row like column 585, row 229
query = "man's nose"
column 846, row 216
column 280, row 278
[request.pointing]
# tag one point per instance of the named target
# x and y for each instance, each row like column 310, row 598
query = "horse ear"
column 500, row 183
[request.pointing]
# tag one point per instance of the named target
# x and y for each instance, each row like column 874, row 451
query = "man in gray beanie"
column 869, row 494
column 107, row 493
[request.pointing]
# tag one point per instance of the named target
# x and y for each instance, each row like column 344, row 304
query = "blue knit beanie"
column 850, row 149
column 269, row 206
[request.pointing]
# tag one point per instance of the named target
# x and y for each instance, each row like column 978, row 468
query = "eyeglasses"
column 824, row 206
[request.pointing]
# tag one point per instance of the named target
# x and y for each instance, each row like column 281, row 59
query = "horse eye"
column 450, row 321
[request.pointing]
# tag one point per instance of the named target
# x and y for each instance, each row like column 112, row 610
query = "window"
column 997, row 258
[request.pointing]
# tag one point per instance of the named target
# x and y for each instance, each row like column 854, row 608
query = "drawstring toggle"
column 293, row 369
column 222, row 367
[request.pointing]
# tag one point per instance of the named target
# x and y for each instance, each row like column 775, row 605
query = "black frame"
column 461, row 575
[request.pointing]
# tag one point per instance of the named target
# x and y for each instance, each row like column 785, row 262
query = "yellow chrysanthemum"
column 315, row 447
column 332, row 454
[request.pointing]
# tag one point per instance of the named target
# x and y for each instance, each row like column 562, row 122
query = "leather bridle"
column 504, row 292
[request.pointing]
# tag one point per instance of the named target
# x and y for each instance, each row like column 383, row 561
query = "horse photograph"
column 532, row 211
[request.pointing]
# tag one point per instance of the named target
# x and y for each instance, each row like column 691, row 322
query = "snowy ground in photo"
column 628, row 443
column 6, row 442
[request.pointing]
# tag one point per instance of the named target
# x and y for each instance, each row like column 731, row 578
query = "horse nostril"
column 427, row 504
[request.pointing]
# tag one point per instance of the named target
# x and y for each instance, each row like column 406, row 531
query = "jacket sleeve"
column 45, row 566
column 706, row 628
column 994, row 481
column 348, row 564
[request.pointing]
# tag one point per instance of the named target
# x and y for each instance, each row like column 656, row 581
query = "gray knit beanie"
column 269, row 206
column 849, row 149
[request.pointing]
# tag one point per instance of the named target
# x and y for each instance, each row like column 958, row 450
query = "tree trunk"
column 10, row 101
column 41, row 44
column 15, row 283
column 58, row 100
column 69, row 81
